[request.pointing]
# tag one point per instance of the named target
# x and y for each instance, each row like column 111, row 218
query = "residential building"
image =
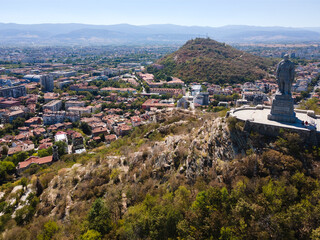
column 53, row 106
column 101, row 130
column 110, row 89
column 122, row 129
column 50, row 96
column 35, row 160
column 156, row 104
column 9, row 104
column 38, row 132
column 170, row 91
column 47, row 83
column 59, row 117
column 77, row 141
column 195, row 90
column 175, row 82
column 61, row 136
column 110, row 138
column 62, row 84
column 136, row 121
column 81, row 110
column 20, row 147
column 202, row 98
column 45, row 145
column 74, row 104
column 14, row 92
column 33, row 121
column 58, row 74
column 149, row 79
column 215, row 89
column 9, row 117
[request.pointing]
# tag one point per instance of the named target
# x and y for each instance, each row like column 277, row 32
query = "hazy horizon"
column 206, row 13
column 141, row 25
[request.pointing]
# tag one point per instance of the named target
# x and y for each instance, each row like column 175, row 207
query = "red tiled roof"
column 45, row 140
column 35, row 160
column 32, row 120
column 155, row 103
column 45, row 145
column 124, row 127
column 76, row 135
column 98, row 130
column 60, row 132
column 110, row 137
column 136, row 119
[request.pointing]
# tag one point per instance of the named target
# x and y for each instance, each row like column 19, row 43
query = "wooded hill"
column 198, row 178
column 206, row 60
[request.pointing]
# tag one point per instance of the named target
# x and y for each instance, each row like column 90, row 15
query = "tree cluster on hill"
column 206, row 60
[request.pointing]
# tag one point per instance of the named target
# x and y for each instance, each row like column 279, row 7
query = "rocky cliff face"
column 196, row 151
column 200, row 150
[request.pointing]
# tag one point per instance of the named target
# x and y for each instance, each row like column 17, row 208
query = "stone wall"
column 309, row 136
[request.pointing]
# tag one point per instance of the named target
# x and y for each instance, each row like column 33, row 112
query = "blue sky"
column 289, row 13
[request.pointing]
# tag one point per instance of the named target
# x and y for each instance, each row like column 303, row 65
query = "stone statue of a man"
column 285, row 75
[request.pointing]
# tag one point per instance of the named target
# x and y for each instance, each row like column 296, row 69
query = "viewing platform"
column 307, row 124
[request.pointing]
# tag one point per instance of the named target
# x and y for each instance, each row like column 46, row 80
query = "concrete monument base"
column 283, row 109
column 256, row 119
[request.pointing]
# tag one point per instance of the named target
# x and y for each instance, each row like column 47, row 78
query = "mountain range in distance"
column 85, row 34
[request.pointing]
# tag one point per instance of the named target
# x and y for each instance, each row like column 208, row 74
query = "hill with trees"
column 184, row 176
column 206, row 60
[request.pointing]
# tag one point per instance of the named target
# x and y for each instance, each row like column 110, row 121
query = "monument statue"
column 282, row 109
column 285, row 75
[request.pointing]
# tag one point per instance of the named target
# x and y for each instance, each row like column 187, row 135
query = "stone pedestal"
column 282, row 109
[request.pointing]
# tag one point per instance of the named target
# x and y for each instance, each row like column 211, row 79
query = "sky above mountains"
column 289, row 13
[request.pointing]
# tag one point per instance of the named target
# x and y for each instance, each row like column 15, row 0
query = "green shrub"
column 91, row 235
column 49, row 230
column 99, row 217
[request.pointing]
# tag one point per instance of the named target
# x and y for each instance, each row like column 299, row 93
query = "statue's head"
column 286, row 57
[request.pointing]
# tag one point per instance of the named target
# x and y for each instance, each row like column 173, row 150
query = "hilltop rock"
column 197, row 149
